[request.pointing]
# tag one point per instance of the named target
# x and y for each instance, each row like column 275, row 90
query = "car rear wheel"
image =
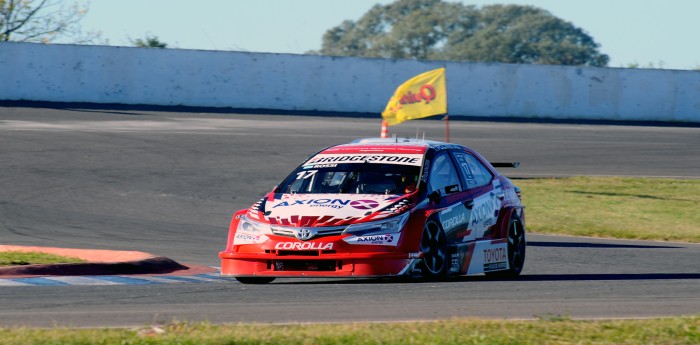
column 255, row 280
column 516, row 250
column 433, row 245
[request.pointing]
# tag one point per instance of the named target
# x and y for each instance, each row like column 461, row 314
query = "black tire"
column 433, row 245
column 516, row 250
column 255, row 280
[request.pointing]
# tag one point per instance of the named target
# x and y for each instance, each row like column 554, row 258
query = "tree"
column 149, row 42
column 40, row 21
column 433, row 29
column 403, row 29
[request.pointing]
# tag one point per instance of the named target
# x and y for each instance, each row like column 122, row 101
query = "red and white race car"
column 382, row 208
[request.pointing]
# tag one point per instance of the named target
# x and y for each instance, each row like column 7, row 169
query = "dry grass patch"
column 12, row 258
column 618, row 207
column 459, row 331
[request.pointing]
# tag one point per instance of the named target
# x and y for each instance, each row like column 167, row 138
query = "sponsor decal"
column 246, row 238
column 495, row 259
column 355, row 148
column 426, row 168
column 495, row 255
column 376, row 239
column 380, row 240
column 238, row 216
column 454, row 262
column 304, row 246
column 454, row 221
column 455, row 217
column 496, row 266
column 483, row 211
column 405, row 159
column 462, row 160
column 447, row 146
column 318, row 166
column 364, row 204
column 332, row 203
column 426, row 93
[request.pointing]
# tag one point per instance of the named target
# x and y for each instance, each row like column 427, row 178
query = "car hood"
column 322, row 209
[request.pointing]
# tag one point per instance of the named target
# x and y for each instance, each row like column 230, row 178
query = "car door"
column 483, row 196
column 446, row 191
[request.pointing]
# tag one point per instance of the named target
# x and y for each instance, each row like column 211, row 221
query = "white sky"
column 662, row 33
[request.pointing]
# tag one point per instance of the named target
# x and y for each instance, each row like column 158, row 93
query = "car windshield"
column 352, row 178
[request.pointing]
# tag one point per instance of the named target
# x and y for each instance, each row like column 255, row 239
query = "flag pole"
column 447, row 115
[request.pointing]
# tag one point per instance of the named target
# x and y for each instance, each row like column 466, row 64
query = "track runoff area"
column 167, row 182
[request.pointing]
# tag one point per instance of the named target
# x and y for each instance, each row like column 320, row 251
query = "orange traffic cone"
column 385, row 130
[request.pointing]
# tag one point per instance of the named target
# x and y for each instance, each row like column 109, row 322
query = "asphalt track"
column 167, row 183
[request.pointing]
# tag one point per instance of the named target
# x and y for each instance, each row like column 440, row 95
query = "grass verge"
column 617, row 207
column 13, row 258
column 681, row 330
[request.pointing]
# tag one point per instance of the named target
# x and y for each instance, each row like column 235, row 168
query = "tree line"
column 439, row 30
column 403, row 29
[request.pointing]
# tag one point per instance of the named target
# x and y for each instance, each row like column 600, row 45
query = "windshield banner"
column 389, row 158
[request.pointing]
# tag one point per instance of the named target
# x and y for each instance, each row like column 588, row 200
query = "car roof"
column 390, row 145
column 392, row 141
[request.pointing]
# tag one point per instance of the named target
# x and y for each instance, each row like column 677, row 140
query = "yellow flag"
column 421, row 96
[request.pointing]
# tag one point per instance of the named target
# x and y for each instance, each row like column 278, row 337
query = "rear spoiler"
column 505, row 164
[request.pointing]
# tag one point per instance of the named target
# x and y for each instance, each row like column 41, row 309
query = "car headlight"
column 246, row 225
column 384, row 226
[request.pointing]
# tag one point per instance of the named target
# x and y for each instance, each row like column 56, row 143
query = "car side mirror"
column 435, row 196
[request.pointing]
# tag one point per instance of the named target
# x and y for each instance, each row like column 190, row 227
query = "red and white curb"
column 115, row 280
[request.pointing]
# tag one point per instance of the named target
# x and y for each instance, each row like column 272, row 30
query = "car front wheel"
column 433, row 245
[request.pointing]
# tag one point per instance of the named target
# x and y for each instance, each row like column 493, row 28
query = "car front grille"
column 320, row 231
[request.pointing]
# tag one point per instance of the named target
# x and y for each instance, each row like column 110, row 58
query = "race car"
column 382, row 208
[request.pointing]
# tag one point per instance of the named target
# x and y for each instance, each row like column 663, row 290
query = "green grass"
column 630, row 208
column 669, row 331
column 13, row 258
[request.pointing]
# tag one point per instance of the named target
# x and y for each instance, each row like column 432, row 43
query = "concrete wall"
column 100, row 74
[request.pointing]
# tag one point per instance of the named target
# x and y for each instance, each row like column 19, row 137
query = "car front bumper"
column 363, row 264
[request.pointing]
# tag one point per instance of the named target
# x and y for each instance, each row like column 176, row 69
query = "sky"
column 650, row 33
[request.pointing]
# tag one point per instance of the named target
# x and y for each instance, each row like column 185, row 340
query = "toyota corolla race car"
column 382, row 208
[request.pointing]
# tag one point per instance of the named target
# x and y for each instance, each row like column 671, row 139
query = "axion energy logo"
column 364, row 204
column 332, row 203
column 374, row 240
